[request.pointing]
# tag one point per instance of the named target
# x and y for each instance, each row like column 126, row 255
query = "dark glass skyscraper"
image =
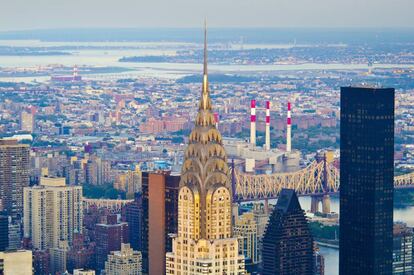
column 287, row 243
column 4, row 232
column 133, row 216
column 367, row 173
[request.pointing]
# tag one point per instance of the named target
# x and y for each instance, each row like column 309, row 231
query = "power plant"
column 255, row 159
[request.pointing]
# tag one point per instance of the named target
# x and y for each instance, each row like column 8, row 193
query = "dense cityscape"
column 206, row 152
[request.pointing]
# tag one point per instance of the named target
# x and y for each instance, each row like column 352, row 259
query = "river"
column 101, row 55
column 332, row 255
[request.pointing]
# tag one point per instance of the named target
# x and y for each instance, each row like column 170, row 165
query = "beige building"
column 83, row 272
column 129, row 181
column 204, row 243
column 58, row 257
column 52, row 212
column 245, row 229
column 16, row 262
column 124, row 262
column 27, row 121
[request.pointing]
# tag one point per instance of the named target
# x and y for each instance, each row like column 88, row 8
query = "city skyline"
column 122, row 152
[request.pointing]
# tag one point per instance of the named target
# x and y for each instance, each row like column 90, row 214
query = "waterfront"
column 102, row 54
column 331, row 255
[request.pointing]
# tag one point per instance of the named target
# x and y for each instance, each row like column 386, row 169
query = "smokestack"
column 253, row 122
column 267, row 143
column 289, row 130
column 216, row 119
column 75, row 72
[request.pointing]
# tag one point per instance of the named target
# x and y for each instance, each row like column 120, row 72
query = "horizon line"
column 216, row 28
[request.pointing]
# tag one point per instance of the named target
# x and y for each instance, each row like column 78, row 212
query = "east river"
column 332, row 255
column 100, row 56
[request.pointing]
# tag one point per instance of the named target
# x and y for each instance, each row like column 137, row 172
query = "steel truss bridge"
column 319, row 179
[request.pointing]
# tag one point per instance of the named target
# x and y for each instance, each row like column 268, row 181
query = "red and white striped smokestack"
column 75, row 71
column 253, row 122
column 216, row 119
column 289, row 130
column 267, row 143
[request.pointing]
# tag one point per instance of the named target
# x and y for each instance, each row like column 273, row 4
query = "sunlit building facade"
column 126, row 261
column 204, row 243
column 245, row 228
column 16, row 262
column 52, row 212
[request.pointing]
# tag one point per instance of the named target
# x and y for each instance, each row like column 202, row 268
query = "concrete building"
column 14, row 235
column 16, row 262
column 366, row 180
column 124, row 262
column 160, row 218
column 204, row 243
column 402, row 252
column 27, row 121
column 81, row 253
column 319, row 262
column 59, row 257
column 83, row 272
column 109, row 236
column 41, row 262
column 14, row 176
column 52, row 212
column 129, row 181
column 245, row 229
column 97, row 171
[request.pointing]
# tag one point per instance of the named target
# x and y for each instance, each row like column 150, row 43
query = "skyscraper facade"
column 134, row 218
column 109, row 236
column 14, row 175
column 204, row 242
column 366, row 175
column 402, row 253
column 160, row 216
column 52, row 212
column 287, row 243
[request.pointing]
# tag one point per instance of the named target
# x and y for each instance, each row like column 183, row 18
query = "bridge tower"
column 324, row 198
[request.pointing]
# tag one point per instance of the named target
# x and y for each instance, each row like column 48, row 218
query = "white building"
column 124, row 262
column 52, row 212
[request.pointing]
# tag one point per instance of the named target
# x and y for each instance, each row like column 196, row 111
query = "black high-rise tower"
column 287, row 243
column 367, row 173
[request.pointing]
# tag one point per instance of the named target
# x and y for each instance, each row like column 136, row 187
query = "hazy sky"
column 30, row 14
